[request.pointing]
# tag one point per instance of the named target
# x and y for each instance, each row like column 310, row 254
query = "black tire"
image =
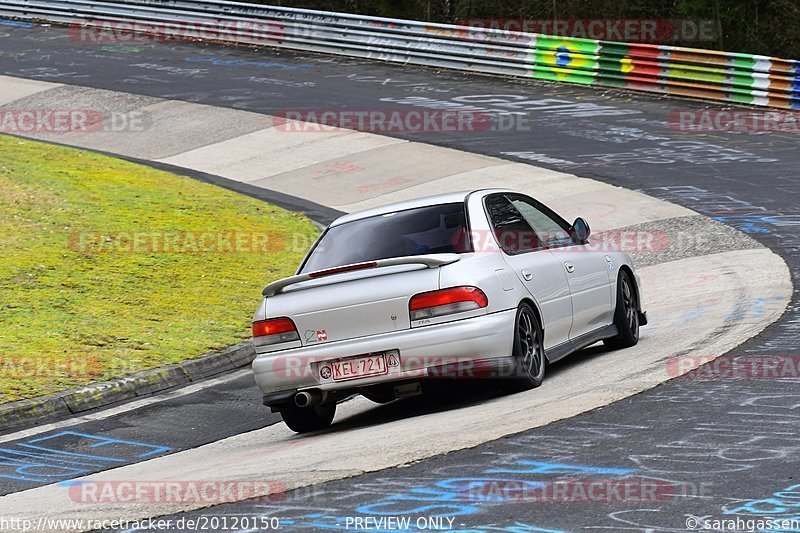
column 529, row 358
column 626, row 315
column 305, row 419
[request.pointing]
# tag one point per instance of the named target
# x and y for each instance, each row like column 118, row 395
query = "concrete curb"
column 79, row 400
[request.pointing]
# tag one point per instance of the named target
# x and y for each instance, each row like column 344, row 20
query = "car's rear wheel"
column 529, row 358
column 626, row 315
column 305, row 419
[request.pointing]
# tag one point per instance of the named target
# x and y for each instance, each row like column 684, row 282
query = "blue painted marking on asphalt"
column 72, row 483
column 747, row 223
column 782, row 507
column 38, row 471
column 456, row 497
column 16, row 23
column 105, row 441
column 54, row 456
column 392, row 507
column 481, row 489
column 27, row 461
column 76, row 455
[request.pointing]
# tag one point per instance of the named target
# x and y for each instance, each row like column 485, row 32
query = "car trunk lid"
column 354, row 300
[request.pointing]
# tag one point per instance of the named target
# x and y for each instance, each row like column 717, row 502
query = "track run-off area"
column 720, row 284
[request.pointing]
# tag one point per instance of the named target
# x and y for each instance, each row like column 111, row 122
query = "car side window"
column 553, row 232
column 511, row 229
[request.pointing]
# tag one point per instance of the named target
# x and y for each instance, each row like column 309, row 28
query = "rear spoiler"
column 430, row 261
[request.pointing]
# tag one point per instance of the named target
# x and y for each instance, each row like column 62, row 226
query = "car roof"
column 447, row 198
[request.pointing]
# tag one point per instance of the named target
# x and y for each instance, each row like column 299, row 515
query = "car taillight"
column 275, row 330
column 446, row 301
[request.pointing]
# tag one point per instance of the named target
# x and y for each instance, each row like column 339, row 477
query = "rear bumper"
column 422, row 351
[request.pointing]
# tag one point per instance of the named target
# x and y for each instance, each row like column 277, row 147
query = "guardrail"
column 731, row 77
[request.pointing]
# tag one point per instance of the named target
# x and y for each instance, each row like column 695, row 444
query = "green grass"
column 76, row 306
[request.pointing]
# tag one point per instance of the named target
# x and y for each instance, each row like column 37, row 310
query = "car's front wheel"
column 305, row 419
column 529, row 358
column 626, row 315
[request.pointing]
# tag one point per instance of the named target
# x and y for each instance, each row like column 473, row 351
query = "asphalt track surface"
column 710, row 446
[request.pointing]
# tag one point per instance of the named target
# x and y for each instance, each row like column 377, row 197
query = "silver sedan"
column 482, row 284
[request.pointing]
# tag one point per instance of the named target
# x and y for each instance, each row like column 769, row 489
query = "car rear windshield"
column 435, row 229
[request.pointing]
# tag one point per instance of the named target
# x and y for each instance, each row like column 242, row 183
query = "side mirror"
column 581, row 230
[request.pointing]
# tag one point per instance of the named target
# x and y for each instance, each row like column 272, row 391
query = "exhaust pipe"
column 308, row 398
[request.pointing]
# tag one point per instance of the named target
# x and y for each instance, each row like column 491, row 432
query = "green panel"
column 614, row 50
column 563, row 74
column 710, row 75
column 612, row 64
column 747, row 62
column 582, row 46
column 741, row 98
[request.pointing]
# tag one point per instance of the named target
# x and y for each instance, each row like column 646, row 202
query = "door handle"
column 527, row 275
column 570, row 267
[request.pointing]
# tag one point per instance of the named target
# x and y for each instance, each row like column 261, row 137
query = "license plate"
column 357, row 367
